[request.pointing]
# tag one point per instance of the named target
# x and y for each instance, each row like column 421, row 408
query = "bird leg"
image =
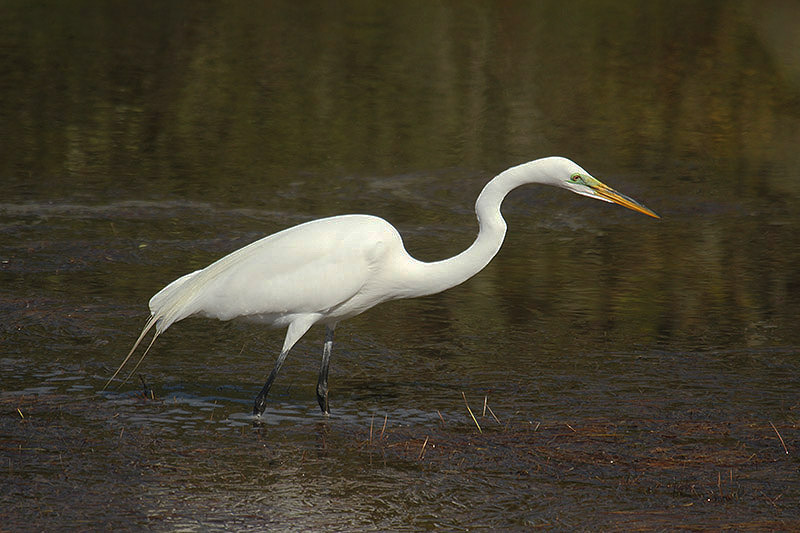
column 322, row 382
column 261, row 399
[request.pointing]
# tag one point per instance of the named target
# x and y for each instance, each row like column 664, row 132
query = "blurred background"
column 142, row 140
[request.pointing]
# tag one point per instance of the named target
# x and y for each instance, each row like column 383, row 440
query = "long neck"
column 430, row 278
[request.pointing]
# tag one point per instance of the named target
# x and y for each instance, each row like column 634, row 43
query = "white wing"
column 295, row 277
column 310, row 268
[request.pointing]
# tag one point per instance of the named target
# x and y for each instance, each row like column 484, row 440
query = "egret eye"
column 576, row 178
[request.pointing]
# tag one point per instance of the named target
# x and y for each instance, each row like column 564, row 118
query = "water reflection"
column 165, row 93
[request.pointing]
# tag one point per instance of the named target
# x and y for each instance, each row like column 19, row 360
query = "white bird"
column 327, row 270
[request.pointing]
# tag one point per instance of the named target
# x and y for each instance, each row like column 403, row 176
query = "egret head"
column 572, row 177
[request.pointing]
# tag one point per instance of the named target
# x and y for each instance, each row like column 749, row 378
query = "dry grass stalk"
column 485, row 407
column 493, row 415
column 470, row 413
column 422, row 450
column 779, row 437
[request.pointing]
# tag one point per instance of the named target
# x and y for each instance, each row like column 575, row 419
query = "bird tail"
column 147, row 327
column 169, row 305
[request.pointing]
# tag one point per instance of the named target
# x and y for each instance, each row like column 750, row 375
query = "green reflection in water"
column 226, row 102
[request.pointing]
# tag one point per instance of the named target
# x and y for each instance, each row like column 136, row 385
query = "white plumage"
column 330, row 269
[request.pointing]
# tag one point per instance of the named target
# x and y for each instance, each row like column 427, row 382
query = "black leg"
column 261, row 399
column 322, row 382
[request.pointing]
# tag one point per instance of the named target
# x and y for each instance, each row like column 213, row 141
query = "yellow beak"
column 607, row 193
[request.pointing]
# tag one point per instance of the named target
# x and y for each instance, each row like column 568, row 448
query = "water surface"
column 636, row 373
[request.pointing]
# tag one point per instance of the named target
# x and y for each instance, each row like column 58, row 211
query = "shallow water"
column 625, row 372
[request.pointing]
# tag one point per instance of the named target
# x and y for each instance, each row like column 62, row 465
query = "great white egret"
column 327, row 270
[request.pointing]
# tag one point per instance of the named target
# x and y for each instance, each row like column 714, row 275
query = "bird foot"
column 323, row 404
column 322, row 398
column 259, row 406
